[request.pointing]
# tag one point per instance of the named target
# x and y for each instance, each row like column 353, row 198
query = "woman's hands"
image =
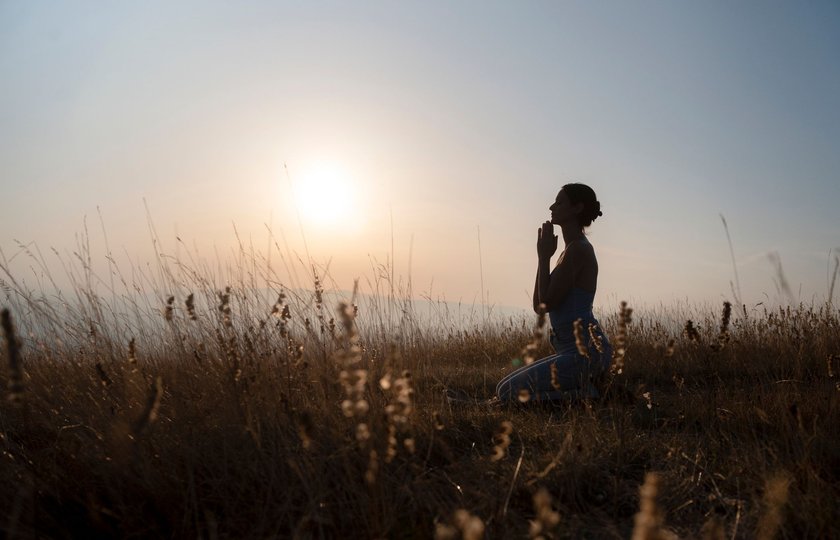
column 546, row 241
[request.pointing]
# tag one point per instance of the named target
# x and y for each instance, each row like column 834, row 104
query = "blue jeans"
column 573, row 373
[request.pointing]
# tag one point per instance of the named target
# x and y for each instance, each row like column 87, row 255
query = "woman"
column 566, row 293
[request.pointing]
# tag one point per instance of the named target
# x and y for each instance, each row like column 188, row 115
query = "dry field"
column 183, row 408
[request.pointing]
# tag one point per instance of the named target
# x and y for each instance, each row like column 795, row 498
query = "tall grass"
column 190, row 401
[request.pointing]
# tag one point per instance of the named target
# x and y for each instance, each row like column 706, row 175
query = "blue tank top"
column 576, row 305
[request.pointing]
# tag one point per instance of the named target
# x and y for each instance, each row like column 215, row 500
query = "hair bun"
column 583, row 194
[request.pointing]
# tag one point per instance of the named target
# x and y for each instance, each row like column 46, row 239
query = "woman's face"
column 562, row 211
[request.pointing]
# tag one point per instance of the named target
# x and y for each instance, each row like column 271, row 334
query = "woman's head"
column 576, row 201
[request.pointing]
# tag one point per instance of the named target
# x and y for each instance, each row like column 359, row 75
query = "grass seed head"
column 502, row 440
column 546, row 518
column 372, row 468
column 648, row 522
column 190, row 305
column 625, row 317
column 669, row 348
column 150, row 411
column 580, row 342
column 595, row 338
column 305, row 429
column 555, row 378
column 103, row 376
column 362, row 433
column 775, row 497
column 690, row 332
column 169, row 310
column 831, row 361
column 469, row 526
column 723, row 335
column 15, row 384
column 224, row 307
column 438, row 421
column 132, row 352
column 529, row 351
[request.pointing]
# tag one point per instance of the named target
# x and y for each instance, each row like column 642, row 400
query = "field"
column 199, row 410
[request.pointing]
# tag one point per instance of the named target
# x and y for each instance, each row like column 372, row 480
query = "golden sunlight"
column 324, row 194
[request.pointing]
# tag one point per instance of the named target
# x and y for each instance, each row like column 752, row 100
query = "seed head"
column 169, row 310
column 15, row 364
column 190, row 305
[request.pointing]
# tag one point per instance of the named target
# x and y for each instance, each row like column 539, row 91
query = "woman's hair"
column 581, row 193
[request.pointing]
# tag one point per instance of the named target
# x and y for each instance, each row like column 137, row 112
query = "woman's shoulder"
column 582, row 251
column 576, row 254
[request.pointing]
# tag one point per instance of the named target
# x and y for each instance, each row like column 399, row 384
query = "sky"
column 432, row 136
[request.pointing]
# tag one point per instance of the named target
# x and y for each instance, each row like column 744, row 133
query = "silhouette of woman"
column 566, row 293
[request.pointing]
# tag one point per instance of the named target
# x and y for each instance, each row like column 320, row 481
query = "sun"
column 324, row 194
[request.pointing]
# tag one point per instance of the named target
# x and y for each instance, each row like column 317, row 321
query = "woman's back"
column 576, row 305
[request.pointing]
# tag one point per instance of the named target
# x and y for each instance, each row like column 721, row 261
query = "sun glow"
column 324, row 194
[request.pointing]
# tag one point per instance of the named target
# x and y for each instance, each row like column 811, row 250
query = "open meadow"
column 208, row 411
column 347, row 195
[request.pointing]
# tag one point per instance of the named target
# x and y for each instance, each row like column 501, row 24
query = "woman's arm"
column 546, row 246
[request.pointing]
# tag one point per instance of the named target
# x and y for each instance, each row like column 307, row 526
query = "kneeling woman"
column 567, row 293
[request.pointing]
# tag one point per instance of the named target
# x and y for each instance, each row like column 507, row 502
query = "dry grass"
column 186, row 407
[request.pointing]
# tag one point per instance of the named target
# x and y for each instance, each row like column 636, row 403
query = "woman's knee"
column 504, row 389
column 510, row 387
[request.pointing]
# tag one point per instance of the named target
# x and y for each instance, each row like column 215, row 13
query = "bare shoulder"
column 584, row 253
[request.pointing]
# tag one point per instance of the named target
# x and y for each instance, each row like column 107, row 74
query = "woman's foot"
column 493, row 403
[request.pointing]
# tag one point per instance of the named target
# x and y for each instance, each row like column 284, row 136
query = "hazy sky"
column 441, row 118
